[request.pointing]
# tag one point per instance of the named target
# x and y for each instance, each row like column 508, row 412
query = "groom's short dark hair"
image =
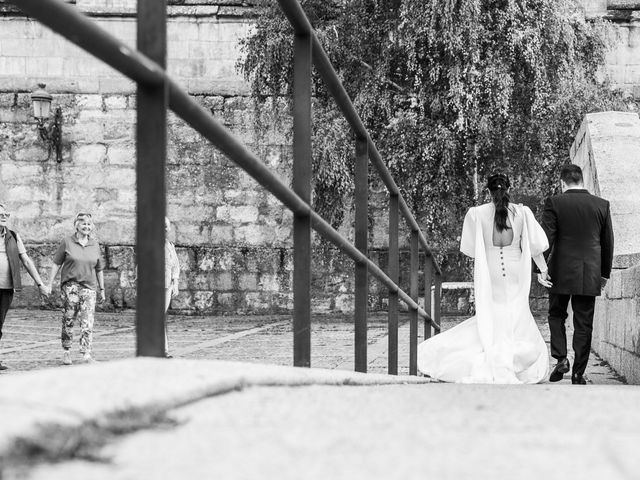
column 571, row 174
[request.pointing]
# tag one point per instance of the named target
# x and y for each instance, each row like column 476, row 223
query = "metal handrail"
column 301, row 26
column 79, row 29
column 305, row 39
column 202, row 121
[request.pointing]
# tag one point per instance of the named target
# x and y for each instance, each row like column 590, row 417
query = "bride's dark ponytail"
column 498, row 185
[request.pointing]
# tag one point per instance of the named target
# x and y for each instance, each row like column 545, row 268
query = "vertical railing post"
column 413, row 312
column 394, row 269
column 437, row 295
column 151, row 151
column 361, row 243
column 302, row 186
column 428, row 280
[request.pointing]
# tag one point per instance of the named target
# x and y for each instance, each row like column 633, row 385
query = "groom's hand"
column 603, row 282
column 544, row 279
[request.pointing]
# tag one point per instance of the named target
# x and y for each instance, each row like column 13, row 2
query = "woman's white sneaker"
column 87, row 358
column 66, row 358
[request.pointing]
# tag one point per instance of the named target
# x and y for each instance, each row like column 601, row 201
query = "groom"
column 578, row 226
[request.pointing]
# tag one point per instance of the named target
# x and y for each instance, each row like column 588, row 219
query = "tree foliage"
column 447, row 89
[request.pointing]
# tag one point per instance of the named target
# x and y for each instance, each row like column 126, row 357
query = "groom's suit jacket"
column 578, row 226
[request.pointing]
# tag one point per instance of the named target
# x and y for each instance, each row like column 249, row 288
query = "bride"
column 501, row 343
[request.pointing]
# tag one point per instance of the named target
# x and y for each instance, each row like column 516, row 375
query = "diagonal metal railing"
column 157, row 91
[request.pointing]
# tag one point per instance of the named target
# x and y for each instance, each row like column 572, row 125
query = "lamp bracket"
column 51, row 134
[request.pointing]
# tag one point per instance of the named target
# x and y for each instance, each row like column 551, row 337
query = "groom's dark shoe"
column 559, row 370
column 577, row 379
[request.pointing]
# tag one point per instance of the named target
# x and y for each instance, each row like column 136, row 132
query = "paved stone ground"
column 31, row 341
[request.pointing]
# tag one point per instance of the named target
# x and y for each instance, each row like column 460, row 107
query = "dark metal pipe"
column 361, row 243
column 428, row 280
column 393, row 269
column 436, row 300
column 302, row 187
column 413, row 313
column 151, row 153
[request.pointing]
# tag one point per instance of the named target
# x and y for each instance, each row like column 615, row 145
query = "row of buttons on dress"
column 502, row 262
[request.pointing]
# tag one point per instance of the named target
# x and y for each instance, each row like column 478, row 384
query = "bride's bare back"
column 503, row 238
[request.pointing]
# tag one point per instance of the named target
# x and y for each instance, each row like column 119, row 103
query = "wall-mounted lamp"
column 51, row 134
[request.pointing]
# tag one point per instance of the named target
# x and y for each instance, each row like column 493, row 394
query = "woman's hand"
column 174, row 288
column 544, row 279
column 101, row 295
column 44, row 290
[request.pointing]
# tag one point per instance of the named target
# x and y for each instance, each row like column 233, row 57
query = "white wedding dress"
column 501, row 343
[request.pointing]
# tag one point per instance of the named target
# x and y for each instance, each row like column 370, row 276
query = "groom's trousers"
column 583, row 307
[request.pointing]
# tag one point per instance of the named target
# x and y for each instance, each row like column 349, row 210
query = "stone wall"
column 616, row 326
column 232, row 237
column 607, row 148
column 623, row 62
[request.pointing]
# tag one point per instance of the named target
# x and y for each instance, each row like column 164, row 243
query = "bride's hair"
column 498, row 185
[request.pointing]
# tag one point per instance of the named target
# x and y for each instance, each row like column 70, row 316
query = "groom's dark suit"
column 578, row 226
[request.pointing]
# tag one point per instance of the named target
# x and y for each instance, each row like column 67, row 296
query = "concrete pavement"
column 244, row 421
column 189, row 417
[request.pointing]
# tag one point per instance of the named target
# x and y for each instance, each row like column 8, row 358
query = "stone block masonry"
column 616, row 326
column 233, row 238
column 203, row 48
column 607, row 148
column 215, row 207
column 623, row 58
column 230, row 279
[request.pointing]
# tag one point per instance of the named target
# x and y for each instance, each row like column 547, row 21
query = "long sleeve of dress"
column 540, row 262
column 468, row 239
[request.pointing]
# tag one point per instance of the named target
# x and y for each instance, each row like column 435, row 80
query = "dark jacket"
column 13, row 255
column 578, row 226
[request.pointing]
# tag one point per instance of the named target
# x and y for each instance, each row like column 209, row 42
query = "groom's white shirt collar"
column 566, row 187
